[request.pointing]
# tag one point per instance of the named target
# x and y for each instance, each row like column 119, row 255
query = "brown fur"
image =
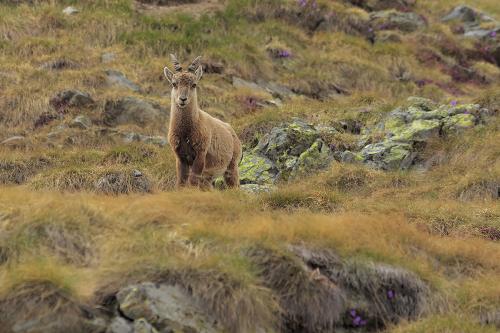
column 204, row 146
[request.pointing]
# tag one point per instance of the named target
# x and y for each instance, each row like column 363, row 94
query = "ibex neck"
column 187, row 116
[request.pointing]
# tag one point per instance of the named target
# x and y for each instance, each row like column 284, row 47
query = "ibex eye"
column 174, row 84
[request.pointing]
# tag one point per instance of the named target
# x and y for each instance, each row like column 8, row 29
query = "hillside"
column 370, row 178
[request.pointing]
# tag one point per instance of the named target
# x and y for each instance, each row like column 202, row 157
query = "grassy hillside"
column 69, row 241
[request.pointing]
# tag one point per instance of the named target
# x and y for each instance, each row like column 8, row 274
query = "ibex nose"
column 183, row 99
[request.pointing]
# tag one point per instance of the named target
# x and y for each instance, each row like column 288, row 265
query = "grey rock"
column 120, row 325
column 130, row 137
column 117, row 182
column 390, row 20
column 168, row 308
column 131, row 110
column 348, row 157
column 256, row 188
column 71, row 98
column 142, row 326
column 81, row 121
column 241, row 83
column 116, row 78
column 108, row 57
column 276, row 90
column 257, row 169
column 462, row 13
column 70, row 10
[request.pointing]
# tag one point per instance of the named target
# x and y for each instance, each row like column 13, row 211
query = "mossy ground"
column 55, row 229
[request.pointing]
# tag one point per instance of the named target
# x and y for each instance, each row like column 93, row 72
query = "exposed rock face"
column 287, row 152
column 407, row 127
column 394, row 20
column 167, row 308
column 474, row 23
column 131, row 110
column 71, row 98
column 116, row 78
column 342, row 295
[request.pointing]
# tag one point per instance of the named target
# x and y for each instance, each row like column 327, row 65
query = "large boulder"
column 286, row 152
column 412, row 125
column 376, row 293
column 473, row 23
column 394, row 20
column 167, row 308
column 131, row 110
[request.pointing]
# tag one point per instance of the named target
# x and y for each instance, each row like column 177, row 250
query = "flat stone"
column 116, row 78
column 168, row 308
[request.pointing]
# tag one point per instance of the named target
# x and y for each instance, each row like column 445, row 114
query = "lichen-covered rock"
column 167, row 308
column 418, row 121
column 316, row 157
column 286, row 152
column 291, row 139
column 458, row 122
column 417, row 130
column 388, row 155
column 131, row 110
column 394, row 20
column 256, row 169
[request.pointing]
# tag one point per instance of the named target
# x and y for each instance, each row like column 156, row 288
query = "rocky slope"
column 370, row 173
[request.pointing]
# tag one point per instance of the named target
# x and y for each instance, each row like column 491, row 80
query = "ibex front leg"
column 182, row 173
column 195, row 176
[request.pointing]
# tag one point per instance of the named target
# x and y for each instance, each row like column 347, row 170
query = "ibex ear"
column 168, row 74
column 199, row 73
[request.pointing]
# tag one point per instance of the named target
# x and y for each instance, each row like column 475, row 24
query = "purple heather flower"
column 284, row 54
column 493, row 34
column 390, row 294
column 314, row 4
column 454, row 103
column 353, row 313
column 356, row 321
column 302, row 3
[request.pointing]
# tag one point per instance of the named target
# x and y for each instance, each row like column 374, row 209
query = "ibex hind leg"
column 231, row 176
column 207, row 182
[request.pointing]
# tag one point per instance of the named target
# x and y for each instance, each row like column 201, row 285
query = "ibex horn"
column 194, row 65
column 177, row 65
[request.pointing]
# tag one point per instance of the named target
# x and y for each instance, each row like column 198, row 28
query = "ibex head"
column 184, row 81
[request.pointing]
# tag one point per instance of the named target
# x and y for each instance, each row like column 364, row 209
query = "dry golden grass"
column 63, row 239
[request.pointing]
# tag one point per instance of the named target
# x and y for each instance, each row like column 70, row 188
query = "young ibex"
column 205, row 147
